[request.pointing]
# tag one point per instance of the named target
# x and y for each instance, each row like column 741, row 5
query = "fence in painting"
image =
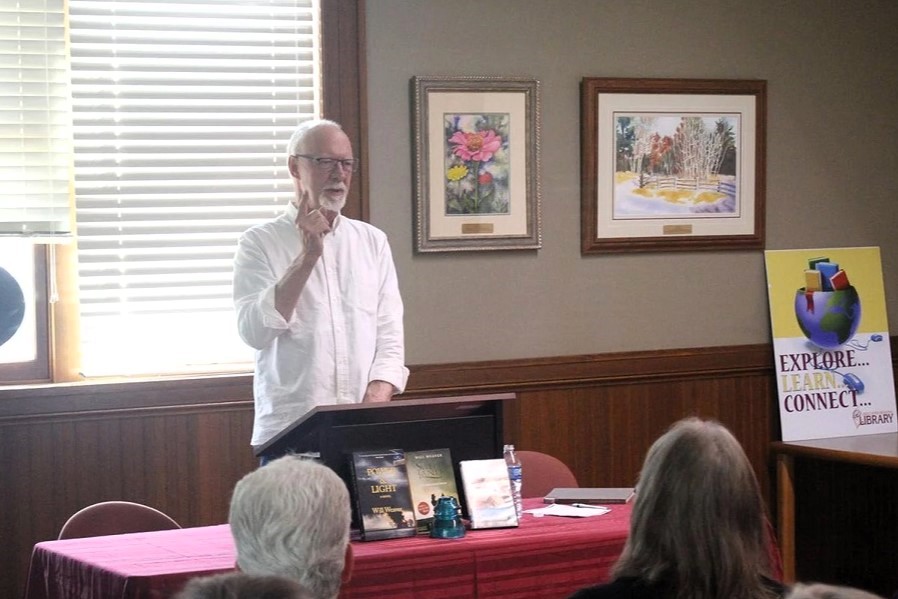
column 719, row 185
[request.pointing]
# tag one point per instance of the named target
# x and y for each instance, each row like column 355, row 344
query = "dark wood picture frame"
column 730, row 217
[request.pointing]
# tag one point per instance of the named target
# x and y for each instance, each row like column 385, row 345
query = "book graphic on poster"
column 382, row 497
column 430, row 476
column 488, row 493
column 831, row 342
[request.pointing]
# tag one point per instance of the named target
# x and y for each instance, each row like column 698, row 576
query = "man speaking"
column 316, row 294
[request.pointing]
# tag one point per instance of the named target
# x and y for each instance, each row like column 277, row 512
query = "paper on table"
column 561, row 509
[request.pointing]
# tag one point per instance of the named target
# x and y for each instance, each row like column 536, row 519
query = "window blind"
column 35, row 122
column 182, row 111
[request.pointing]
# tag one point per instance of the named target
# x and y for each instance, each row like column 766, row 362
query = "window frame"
column 344, row 87
column 343, row 100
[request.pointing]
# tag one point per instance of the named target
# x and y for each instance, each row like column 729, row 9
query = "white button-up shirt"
column 345, row 332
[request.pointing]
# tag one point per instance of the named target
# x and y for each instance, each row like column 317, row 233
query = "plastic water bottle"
column 514, row 475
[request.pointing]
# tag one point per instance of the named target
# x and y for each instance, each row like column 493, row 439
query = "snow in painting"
column 676, row 165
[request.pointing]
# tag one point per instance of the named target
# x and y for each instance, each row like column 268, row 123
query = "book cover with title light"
column 381, row 493
column 830, row 342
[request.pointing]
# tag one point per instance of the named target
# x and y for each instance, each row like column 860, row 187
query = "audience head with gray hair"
column 698, row 516
column 239, row 585
column 291, row 518
column 698, row 526
column 828, row 591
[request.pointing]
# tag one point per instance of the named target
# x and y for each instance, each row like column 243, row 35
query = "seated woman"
column 698, row 528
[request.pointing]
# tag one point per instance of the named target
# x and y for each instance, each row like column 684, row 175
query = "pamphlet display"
column 488, row 493
column 382, row 494
column 831, row 342
column 430, row 476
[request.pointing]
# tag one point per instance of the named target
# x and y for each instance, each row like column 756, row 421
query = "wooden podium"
column 469, row 425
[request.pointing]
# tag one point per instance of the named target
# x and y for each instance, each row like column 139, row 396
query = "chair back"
column 115, row 517
column 542, row 472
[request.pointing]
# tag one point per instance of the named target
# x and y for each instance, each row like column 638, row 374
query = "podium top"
column 306, row 431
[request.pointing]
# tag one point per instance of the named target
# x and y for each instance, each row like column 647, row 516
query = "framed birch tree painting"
column 672, row 164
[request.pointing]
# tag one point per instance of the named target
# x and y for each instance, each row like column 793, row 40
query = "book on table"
column 382, row 497
column 488, row 493
column 430, row 476
column 590, row 495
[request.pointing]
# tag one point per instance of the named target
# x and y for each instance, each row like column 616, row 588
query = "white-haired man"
column 316, row 293
column 291, row 518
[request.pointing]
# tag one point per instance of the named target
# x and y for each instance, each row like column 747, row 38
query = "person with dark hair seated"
column 697, row 530
column 238, row 585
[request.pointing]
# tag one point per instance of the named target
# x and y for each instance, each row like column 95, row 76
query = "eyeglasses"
column 327, row 164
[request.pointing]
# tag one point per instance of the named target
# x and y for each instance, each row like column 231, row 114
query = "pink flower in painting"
column 485, row 178
column 479, row 145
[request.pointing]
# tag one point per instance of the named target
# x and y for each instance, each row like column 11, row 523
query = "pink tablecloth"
column 544, row 557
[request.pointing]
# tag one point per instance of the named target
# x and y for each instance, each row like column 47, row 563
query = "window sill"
column 143, row 394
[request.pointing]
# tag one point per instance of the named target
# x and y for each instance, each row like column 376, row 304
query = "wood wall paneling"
column 181, row 445
column 57, row 456
column 603, row 432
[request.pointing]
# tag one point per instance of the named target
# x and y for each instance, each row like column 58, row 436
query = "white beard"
column 329, row 202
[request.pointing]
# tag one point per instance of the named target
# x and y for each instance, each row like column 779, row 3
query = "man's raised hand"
column 313, row 226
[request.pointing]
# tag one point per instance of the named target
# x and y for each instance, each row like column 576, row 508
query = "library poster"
column 830, row 342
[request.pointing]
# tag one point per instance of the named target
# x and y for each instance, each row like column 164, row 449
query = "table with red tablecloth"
column 543, row 557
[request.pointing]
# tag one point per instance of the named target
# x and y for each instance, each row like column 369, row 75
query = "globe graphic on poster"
column 828, row 318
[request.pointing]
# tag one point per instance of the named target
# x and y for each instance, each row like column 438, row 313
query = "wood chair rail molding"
column 85, row 399
column 589, row 369
column 181, row 444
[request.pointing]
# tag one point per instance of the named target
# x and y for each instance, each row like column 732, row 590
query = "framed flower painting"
column 476, row 159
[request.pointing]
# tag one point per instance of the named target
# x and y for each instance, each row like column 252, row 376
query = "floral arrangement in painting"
column 476, row 163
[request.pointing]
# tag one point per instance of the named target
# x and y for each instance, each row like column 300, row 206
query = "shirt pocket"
column 361, row 292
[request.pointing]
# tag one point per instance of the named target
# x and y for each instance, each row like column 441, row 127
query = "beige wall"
column 832, row 164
